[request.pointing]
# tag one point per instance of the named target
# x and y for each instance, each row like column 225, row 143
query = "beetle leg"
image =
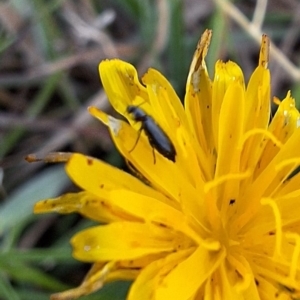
column 139, row 135
column 154, row 158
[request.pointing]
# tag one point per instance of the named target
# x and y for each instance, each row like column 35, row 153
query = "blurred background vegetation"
column 49, row 55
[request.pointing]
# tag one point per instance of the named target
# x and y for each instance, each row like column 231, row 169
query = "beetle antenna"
column 141, row 103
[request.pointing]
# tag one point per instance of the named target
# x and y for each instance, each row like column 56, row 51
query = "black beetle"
column 156, row 136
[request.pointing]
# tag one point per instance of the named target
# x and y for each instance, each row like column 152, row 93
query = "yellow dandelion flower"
column 215, row 210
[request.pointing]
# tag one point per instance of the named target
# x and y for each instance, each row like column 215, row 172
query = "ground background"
column 49, row 54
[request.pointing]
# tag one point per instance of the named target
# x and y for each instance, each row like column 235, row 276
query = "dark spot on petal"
column 89, row 161
column 238, row 273
column 258, row 164
column 101, row 186
column 91, row 202
column 271, row 232
column 232, row 201
column 256, row 282
column 104, row 204
column 289, row 289
column 207, row 106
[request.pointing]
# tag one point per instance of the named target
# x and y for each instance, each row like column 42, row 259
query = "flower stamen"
column 260, row 131
column 296, row 254
column 292, row 161
column 278, row 225
column 221, row 179
column 242, row 271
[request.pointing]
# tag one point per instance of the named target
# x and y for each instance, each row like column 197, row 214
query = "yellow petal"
column 121, row 84
column 151, row 276
column 230, row 133
column 258, row 94
column 268, row 290
column 153, row 211
column 257, row 113
column 276, row 271
column 285, row 120
column 239, row 271
column 253, row 292
column 198, row 106
column 221, row 286
column 225, row 75
column 96, row 208
column 290, row 185
column 193, row 277
column 95, row 176
column 123, row 241
column 166, row 107
column 257, row 109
